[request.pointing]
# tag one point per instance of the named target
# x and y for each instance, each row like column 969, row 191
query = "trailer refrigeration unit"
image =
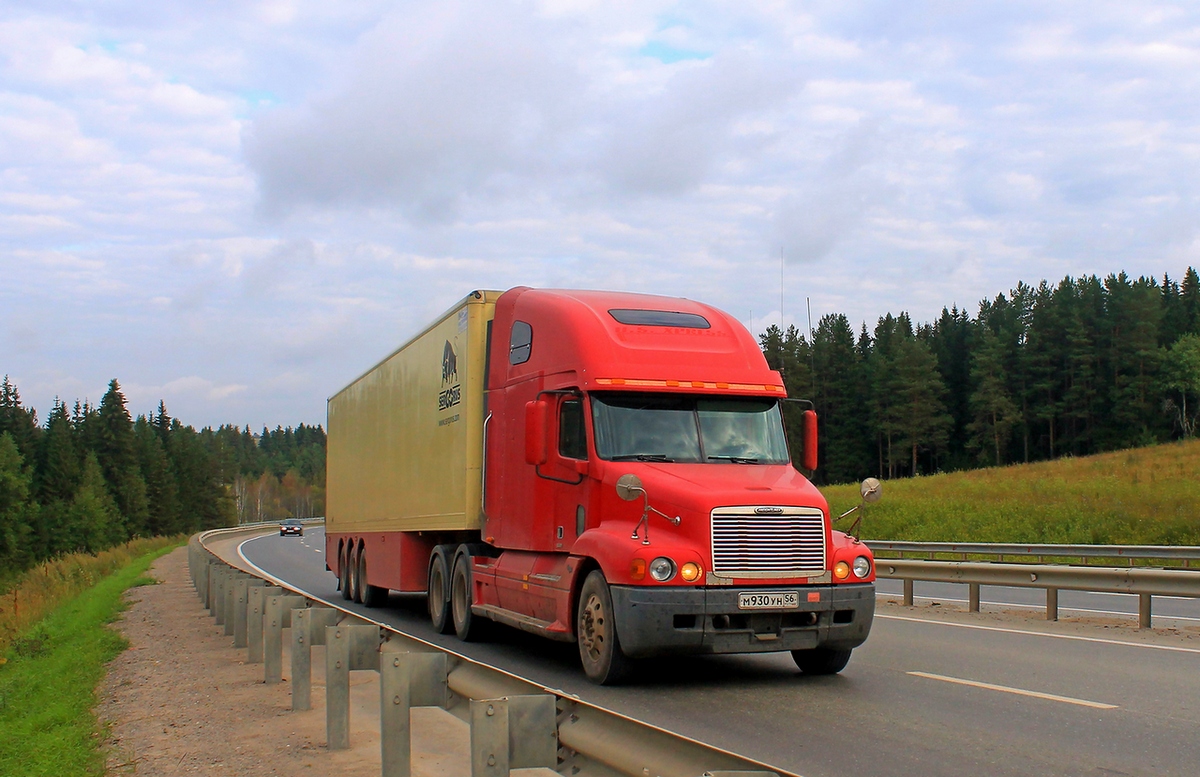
column 608, row 469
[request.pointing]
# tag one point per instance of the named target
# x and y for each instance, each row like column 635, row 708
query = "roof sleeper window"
column 659, row 318
column 520, row 344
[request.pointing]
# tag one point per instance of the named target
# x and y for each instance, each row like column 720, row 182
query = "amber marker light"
column 637, row 569
column 841, row 570
column 690, row 571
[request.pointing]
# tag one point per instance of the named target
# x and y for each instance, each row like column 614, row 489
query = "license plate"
column 768, row 600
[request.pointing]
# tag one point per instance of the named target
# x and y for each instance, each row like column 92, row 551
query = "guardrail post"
column 395, row 715
column 278, row 618
column 308, row 629
column 1051, row 604
column 489, row 738
column 973, row 597
column 346, row 648
column 257, row 607
column 908, row 593
column 406, row 680
column 241, row 613
column 231, row 607
column 513, row 732
column 223, row 574
column 210, row 596
column 1144, row 611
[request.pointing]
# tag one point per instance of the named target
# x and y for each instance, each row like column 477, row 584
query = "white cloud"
column 239, row 206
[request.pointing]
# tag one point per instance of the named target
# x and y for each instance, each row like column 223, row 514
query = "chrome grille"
column 747, row 544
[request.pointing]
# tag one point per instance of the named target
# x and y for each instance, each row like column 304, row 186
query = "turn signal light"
column 841, row 570
column 690, row 571
column 637, row 569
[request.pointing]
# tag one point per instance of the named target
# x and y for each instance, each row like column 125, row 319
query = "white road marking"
column 1018, row 691
column 1076, row 637
column 1025, row 606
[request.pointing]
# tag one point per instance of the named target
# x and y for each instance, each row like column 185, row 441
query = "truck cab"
column 638, row 494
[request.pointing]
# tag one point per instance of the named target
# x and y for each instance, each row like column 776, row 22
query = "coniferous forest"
column 92, row 477
column 1085, row 366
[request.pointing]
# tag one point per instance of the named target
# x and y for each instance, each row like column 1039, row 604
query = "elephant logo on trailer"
column 449, row 364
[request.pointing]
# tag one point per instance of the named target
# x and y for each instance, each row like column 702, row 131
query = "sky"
column 237, row 207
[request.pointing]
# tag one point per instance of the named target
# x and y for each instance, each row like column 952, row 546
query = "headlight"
column 690, row 571
column 862, row 567
column 841, row 570
column 662, row 569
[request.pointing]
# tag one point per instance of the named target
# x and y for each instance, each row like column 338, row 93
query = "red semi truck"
column 602, row 468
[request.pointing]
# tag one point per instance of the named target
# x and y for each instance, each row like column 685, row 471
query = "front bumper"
column 657, row 621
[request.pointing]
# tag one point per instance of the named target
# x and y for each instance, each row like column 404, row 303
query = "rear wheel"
column 821, row 660
column 370, row 595
column 344, row 574
column 467, row 625
column 596, row 630
column 439, row 593
column 352, row 567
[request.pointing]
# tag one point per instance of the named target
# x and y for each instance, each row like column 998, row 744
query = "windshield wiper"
column 736, row 459
column 642, row 457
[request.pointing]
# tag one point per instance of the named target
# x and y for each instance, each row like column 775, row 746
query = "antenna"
column 808, row 304
column 781, row 325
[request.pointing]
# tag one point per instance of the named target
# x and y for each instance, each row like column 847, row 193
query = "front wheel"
column 596, row 630
column 821, row 660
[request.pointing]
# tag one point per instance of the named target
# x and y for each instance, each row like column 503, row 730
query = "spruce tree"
column 17, row 420
column 93, row 522
column 115, row 452
column 17, row 509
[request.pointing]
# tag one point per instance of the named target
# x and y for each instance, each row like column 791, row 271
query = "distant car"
column 291, row 526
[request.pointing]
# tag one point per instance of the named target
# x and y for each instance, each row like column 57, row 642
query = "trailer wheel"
column 352, row 571
column 439, row 593
column 344, row 574
column 821, row 660
column 370, row 595
column 596, row 630
column 467, row 625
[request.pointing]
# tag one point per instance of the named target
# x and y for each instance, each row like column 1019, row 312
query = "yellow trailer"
column 405, row 445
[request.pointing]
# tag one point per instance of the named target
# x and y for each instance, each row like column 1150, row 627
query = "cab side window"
column 520, row 345
column 572, row 435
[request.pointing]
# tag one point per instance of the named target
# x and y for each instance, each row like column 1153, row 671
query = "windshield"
column 674, row 427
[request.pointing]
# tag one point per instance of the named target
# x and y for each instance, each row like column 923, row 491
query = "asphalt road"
column 930, row 693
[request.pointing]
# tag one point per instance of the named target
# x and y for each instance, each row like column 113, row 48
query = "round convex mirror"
column 629, row 487
column 871, row 489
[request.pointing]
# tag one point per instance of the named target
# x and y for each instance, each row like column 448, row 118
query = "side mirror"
column 808, row 431
column 537, row 421
column 871, row 489
column 629, row 487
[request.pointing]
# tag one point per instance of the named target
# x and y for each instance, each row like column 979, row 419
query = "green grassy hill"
column 1139, row 496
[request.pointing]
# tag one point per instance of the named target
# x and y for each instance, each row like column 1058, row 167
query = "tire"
column 344, row 575
column 369, row 595
column 281, row 532
column 596, row 633
column 352, row 571
column 439, row 593
column 820, row 661
column 467, row 625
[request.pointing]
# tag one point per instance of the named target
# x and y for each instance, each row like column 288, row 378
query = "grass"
column 48, row 680
column 28, row 598
column 1142, row 496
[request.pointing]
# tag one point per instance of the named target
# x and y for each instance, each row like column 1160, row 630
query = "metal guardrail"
column 515, row 723
column 1142, row 581
column 1185, row 553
